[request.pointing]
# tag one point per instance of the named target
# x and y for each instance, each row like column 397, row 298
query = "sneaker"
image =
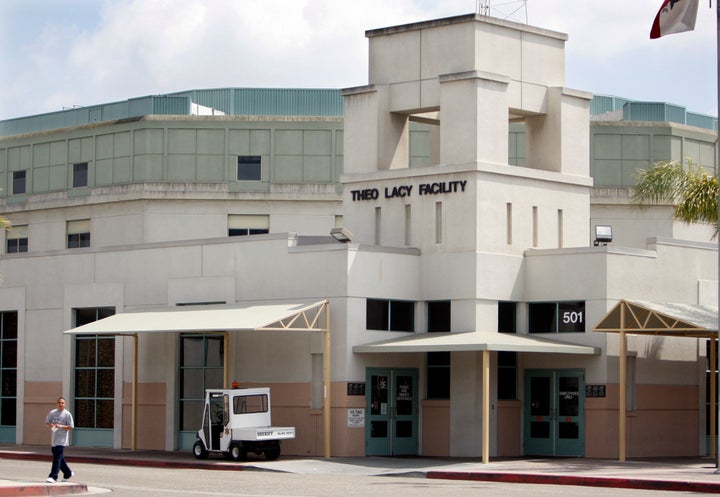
column 51, row 480
column 66, row 478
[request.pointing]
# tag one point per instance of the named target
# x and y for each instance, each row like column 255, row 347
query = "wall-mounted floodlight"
column 341, row 234
column 603, row 235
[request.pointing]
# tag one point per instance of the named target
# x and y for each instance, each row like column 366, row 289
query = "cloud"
column 85, row 52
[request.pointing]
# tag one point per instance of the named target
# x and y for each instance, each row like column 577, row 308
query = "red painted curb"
column 191, row 463
column 40, row 489
column 581, row 481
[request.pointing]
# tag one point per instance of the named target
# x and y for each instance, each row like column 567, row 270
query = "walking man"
column 60, row 422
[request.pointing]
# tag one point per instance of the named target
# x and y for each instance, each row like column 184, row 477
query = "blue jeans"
column 58, row 463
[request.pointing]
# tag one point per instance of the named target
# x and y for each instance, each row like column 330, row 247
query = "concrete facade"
column 467, row 222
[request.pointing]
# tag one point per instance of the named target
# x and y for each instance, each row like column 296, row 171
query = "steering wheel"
column 220, row 416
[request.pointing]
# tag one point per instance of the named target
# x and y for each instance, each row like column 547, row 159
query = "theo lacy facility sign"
column 401, row 191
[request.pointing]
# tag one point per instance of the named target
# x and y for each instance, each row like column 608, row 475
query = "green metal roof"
column 633, row 110
column 228, row 101
column 269, row 101
column 294, row 102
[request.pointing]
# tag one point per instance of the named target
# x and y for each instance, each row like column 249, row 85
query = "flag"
column 674, row 16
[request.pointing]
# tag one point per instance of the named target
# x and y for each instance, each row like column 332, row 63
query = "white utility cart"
column 237, row 422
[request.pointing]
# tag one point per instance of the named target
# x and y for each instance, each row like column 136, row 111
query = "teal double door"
column 554, row 413
column 391, row 416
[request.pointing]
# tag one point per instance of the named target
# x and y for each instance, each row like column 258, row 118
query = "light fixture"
column 341, row 234
column 603, row 235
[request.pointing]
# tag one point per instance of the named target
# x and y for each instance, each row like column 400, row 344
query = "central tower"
column 467, row 78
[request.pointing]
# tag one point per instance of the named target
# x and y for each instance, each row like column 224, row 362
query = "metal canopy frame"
column 221, row 319
column 630, row 317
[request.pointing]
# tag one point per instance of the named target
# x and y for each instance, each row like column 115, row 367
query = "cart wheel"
column 237, row 453
column 199, row 450
column 272, row 454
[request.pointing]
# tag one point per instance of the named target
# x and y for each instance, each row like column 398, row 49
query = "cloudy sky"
column 61, row 53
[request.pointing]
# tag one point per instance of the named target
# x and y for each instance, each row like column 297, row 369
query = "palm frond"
column 691, row 189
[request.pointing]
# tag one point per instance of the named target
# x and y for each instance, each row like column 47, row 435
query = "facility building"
column 172, row 243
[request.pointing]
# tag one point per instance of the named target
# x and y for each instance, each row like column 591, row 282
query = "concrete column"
column 374, row 138
column 466, row 404
column 474, row 117
column 558, row 140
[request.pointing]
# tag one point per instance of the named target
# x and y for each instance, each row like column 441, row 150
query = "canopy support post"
column 226, row 359
column 485, row 406
column 326, row 383
column 133, row 435
column 713, row 396
column 622, row 401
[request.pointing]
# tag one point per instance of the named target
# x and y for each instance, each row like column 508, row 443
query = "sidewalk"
column 690, row 474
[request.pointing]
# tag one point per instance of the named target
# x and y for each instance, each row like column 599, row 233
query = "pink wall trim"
column 665, row 423
column 509, row 421
column 40, row 398
column 435, row 428
column 151, row 399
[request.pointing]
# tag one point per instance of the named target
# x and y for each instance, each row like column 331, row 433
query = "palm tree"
column 692, row 190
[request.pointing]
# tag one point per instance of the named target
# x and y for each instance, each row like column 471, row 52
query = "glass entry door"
column 554, row 416
column 391, row 415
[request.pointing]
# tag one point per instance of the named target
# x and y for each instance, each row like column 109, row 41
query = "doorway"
column 391, row 412
column 554, row 413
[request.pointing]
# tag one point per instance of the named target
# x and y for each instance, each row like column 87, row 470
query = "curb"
column 581, row 481
column 191, row 464
column 33, row 489
column 219, row 465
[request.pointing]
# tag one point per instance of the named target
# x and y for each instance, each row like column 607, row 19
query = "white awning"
column 210, row 318
column 220, row 318
column 473, row 341
column 666, row 319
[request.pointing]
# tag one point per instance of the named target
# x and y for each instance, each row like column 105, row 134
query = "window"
column 507, row 317
column 376, row 314
column 249, row 168
column 390, row 315
column 438, row 316
column 507, row 376
column 94, row 373
column 78, row 233
column 556, row 317
column 80, row 175
column 507, row 361
column 18, row 182
column 17, row 239
column 249, row 404
column 240, row 225
column 438, row 363
column 8, row 368
column 201, row 367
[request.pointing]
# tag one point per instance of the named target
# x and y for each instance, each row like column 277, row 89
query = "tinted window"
column 438, row 316
column 80, row 175
column 18, row 185
column 376, row 314
column 249, row 168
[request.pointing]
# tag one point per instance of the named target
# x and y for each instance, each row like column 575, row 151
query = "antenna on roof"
column 510, row 10
column 482, row 7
